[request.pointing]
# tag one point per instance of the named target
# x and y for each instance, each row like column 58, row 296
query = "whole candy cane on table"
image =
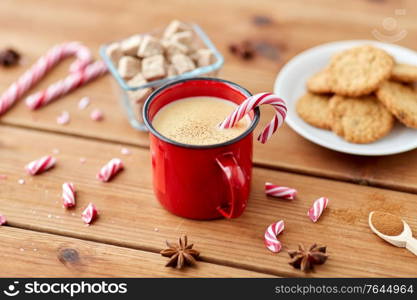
column 40, row 165
column 280, row 191
column 110, row 169
column 62, row 87
column 89, row 213
column 254, row 101
column 41, row 67
column 317, row 209
column 68, row 194
column 270, row 238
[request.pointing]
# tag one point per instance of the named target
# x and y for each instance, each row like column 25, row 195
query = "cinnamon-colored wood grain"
column 26, row 253
column 130, row 216
column 33, row 27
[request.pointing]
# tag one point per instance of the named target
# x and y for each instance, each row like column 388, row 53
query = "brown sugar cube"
column 140, row 95
column 174, row 27
column 137, row 98
column 130, row 46
column 153, row 67
column 114, row 52
column 172, row 48
column 171, row 71
column 204, row 57
column 128, row 66
column 182, row 63
column 150, row 46
column 137, row 80
column 184, row 37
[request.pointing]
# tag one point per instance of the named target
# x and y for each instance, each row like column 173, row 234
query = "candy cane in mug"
column 270, row 238
column 280, row 191
column 41, row 68
column 110, row 169
column 40, row 165
column 62, row 87
column 251, row 103
column 68, row 194
column 317, row 209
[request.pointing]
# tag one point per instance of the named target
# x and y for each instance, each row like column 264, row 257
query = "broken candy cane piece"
column 40, row 165
column 317, row 209
column 96, row 115
column 110, row 169
column 280, row 191
column 83, row 103
column 2, row 220
column 63, row 118
column 89, row 213
column 68, row 194
column 270, row 238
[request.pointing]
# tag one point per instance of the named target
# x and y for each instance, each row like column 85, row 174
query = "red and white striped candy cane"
column 317, row 209
column 40, row 165
column 2, row 220
column 110, row 169
column 62, row 87
column 270, row 238
column 68, row 194
column 89, row 213
column 280, row 191
column 41, row 67
column 254, row 101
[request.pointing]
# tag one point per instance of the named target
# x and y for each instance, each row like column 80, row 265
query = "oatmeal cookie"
column 360, row 120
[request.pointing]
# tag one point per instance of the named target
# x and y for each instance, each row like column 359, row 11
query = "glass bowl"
column 134, row 116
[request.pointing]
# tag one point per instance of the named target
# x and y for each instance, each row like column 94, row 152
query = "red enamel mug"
column 201, row 181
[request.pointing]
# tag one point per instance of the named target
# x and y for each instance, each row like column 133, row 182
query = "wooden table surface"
column 132, row 226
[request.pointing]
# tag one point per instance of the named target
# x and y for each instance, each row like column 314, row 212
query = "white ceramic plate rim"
column 299, row 125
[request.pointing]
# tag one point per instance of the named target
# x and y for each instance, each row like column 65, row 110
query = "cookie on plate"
column 319, row 83
column 404, row 73
column 401, row 100
column 360, row 120
column 314, row 109
column 359, row 71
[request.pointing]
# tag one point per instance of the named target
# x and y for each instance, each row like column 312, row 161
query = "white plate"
column 291, row 84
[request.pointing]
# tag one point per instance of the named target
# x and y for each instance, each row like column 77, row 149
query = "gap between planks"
column 154, row 250
column 298, row 171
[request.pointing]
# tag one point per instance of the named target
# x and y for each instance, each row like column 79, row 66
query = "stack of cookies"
column 360, row 94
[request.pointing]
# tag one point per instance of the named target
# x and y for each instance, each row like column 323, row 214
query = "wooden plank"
column 130, row 216
column 296, row 26
column 28, row 253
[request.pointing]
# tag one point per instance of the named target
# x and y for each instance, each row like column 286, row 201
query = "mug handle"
column 236, row 181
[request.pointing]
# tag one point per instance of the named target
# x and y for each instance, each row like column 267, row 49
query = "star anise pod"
column 180, row 254
column 9, row 57
column 306, row 259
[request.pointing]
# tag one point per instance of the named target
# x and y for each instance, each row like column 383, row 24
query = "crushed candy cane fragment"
column 96, row 115
column 83, row 103
column 55, row 151
column 109, row 170
column 21, row 181
column 89, row 213
column 68, row 194
column 271, row 236
column 317, row 209
column 125, row 151
column 63, row 118
column 2, row 220
column 280, row 191
column 83, row 160
column 40, row 165
column 3, row 177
